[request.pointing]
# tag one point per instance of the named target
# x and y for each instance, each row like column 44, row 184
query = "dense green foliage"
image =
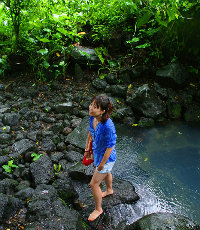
column 42, row 31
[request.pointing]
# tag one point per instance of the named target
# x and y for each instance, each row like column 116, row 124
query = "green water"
column 163, row 163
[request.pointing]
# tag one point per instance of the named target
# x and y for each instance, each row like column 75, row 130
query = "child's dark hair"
column 104, row 103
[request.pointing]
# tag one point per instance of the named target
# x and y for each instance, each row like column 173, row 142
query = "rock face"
column 162, row 221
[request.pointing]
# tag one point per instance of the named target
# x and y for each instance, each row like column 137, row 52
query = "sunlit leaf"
column 146, row 159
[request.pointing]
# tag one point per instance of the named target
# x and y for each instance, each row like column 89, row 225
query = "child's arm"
column 86, row 154
column 105, row 158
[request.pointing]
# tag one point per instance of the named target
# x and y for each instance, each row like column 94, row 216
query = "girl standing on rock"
column 103, row 133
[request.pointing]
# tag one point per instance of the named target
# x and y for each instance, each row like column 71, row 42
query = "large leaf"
column 144, row 19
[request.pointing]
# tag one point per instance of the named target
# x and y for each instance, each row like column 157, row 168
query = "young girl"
column 104, row 136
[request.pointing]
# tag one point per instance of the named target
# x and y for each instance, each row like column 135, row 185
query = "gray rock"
column 78, row 73
column 162, row 221
column 111, row 78
column 79, row 135
column 8, row 186
column 25, row 193
column 145, row 100
column 11, row 119
column 5, row 138
column 5, row 129
column 31, row 115
column 23, row 146
column 73, row 156
column 125, row 75
column 63, row 108
column 49, row 211
column 42, row 170
column 9, row 206
column 99, row 84
column 81, row 172
column 172, row 75
column 48, row 145
column 118, row 90
column 85, row 55
column 56, row 128
column 45, row 118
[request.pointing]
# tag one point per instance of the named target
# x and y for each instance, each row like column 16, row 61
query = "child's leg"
column 97, row 194
column 108, row 181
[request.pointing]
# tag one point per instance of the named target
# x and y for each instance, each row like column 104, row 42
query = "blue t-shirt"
column 104, row 136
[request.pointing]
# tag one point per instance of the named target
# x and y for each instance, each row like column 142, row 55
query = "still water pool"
column 163, row 163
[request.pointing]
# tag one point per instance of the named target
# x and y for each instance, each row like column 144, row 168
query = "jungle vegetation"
column 153, row 32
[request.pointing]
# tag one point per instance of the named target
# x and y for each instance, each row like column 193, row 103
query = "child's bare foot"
column 94, row 215
column 106, row 193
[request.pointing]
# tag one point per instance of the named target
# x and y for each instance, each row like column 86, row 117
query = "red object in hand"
column 90, row 160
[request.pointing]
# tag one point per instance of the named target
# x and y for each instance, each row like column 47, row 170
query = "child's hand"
column 87, row 154
column 100, row 167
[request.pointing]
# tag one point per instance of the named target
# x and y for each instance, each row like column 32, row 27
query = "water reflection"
column 163, row 163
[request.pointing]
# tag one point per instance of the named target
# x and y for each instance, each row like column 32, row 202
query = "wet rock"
column 84, row 55
column 4, row 160
column 65, row 189
column 42, row 170
column 11, row 119
column 47, row 211
column 75, row 122
column 56, row 157
column 25, row 193
column 23, row 146
column 66, row 131
column 117, row 90
column 146, row 122
column 5, row 138
column 81, row 172
column 111, row 79
column 5, row 129
column 125, row 74
column 86, row 102
column 172, row 75
column 45, row 118
column 9, row 206
column 31, row 115
column 79, row 135
column 48, row 145
column 192, row 113
column 145, row 101
column 73, row 156
column 99, row 84
column 63, row 108
column 8, row 186
column 162, row 221
column 56, row 128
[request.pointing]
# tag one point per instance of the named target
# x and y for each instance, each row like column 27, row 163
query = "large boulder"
column 42, row 170
column 172, row 75
column 23, row 146
column 162, row 221
column 11, row 119
column 79, row 135
column 84, row 55
column 146, row 101
column 47, row 211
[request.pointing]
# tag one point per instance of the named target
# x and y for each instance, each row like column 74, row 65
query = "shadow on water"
column 163, row 163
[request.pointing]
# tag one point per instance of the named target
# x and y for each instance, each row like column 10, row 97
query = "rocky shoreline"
column 42, row 139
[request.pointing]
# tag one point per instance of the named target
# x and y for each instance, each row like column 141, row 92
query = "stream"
column 163, row 163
